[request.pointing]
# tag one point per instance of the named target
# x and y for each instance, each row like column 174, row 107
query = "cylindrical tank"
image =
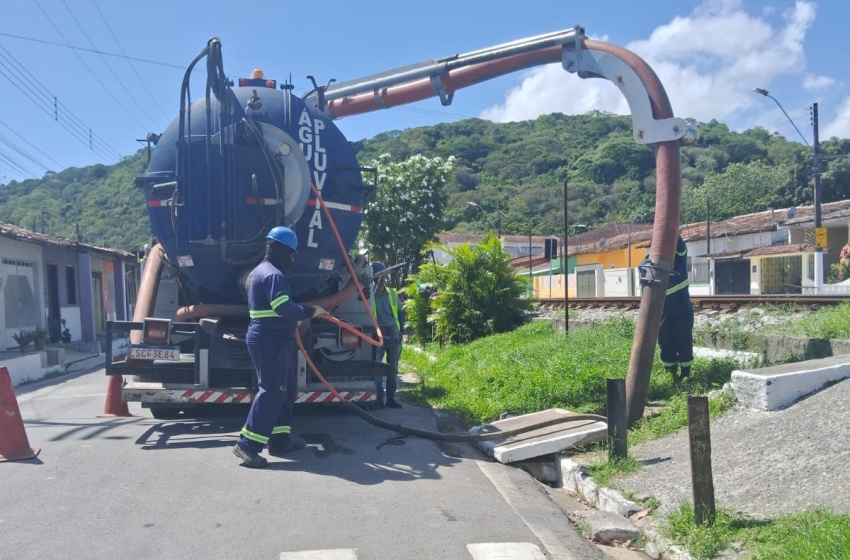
column 215, row 192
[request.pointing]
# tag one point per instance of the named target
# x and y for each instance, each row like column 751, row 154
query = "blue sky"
column 709, row 54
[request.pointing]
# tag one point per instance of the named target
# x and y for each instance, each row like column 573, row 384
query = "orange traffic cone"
column 115, row 406
column 14, row 445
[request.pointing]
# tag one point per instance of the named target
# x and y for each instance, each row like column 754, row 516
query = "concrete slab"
column 605, row 527
column 567, row 432
column 777, row 387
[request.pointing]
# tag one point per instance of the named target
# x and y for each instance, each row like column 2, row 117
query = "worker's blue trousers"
column 676, row 339
column 270, row 417
column 392, row 350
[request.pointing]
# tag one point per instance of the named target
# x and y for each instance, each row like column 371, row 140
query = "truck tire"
column 165, row 412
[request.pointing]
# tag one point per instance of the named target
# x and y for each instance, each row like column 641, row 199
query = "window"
column 19, row 299
column 71, row 284
column 699, row 268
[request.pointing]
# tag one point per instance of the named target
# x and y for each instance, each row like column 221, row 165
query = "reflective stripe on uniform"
column 686, row 364
column 668, row 364
column 279, row 300
column 248, row 434
column 281, row 430
column 680, row 286
column 261, row 313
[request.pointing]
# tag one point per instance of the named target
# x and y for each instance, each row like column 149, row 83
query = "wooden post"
column 617, row 432
column 700, row 438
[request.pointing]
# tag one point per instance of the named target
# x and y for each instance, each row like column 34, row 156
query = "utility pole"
column 817, row 200
column 530, row 275
column 708, row 241
column 566, row 268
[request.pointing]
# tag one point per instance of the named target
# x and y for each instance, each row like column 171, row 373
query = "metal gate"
column 732, row 277
column 586, row 283
column 782, row 275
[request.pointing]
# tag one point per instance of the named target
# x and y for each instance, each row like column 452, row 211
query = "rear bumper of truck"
column 149, row 393
column 189, row 380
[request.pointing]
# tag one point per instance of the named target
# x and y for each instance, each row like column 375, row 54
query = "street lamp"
column 815, row 181
column 766, row 93
column 497, row 228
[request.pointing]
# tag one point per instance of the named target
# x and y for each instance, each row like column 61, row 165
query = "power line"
column 130, row 61
column 77, row 134
column 105, row 63
column 12, row 78
column 22, row 152
column 19, row 168
column 73, row 47
column 23, row 80
column 33, row 146
column 92, row 72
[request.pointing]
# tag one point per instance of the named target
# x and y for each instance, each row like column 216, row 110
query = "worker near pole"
column 676, row 333
column 386, row 307
column 271, row 344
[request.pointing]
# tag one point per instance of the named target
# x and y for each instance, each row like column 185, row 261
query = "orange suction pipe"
column 148, row 289
column 668, row 188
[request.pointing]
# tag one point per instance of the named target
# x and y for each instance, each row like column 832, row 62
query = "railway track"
column 704, row 303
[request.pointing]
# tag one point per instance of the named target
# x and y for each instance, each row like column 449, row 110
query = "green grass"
column 829, row 322
column 674, row 416
column 604, row 471
column 810, row 535
column 533, row 368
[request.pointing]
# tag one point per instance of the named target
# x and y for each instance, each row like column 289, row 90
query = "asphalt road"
column 138, row 488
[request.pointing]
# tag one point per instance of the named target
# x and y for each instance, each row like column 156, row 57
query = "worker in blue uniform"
column 676, row 334
column 386, row 306
column 271, row 344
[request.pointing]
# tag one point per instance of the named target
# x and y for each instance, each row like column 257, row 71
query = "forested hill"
column 98, row 204
column 518, row 168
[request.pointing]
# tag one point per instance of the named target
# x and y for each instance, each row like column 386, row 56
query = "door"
column 53, row 306
column 732, row 277
column 586, row 283
column 97, row 295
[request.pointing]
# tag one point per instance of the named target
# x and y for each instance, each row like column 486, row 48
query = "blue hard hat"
column 378, row 267
column 285, row 236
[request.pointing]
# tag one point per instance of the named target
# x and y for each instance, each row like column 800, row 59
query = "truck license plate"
column 144, row 352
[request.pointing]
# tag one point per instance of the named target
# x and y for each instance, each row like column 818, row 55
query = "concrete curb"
column 575, row 480
column 777, row 387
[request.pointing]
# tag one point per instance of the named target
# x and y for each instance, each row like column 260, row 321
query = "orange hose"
column 359, row 334
column 313, row 367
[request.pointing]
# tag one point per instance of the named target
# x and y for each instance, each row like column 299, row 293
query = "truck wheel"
column 165, row 412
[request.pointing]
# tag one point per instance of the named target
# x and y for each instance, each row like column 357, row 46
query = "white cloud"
column 813, row 83
column 840, row 127
column 708, row 62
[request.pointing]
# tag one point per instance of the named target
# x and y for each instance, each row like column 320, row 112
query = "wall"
column 553, row 286
column 69, row 304
column 14, row 251
column 87, row 328
column 617, row 282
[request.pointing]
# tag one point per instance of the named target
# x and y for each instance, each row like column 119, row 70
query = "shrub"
column 24, row 337
column 476, row 294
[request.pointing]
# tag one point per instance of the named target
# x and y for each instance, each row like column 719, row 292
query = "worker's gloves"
column 318, row 312
column 363, row 270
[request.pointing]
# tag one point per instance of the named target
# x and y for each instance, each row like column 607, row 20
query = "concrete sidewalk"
column 764, row 463
column 30, row 367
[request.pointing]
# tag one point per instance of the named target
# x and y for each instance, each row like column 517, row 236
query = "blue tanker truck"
column 241, row 160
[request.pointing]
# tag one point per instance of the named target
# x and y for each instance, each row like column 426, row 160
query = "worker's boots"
column 284, row 445
column 250, row 459
column 686, row 372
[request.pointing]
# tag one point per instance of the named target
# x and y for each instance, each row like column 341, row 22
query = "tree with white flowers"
column 407, row 211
